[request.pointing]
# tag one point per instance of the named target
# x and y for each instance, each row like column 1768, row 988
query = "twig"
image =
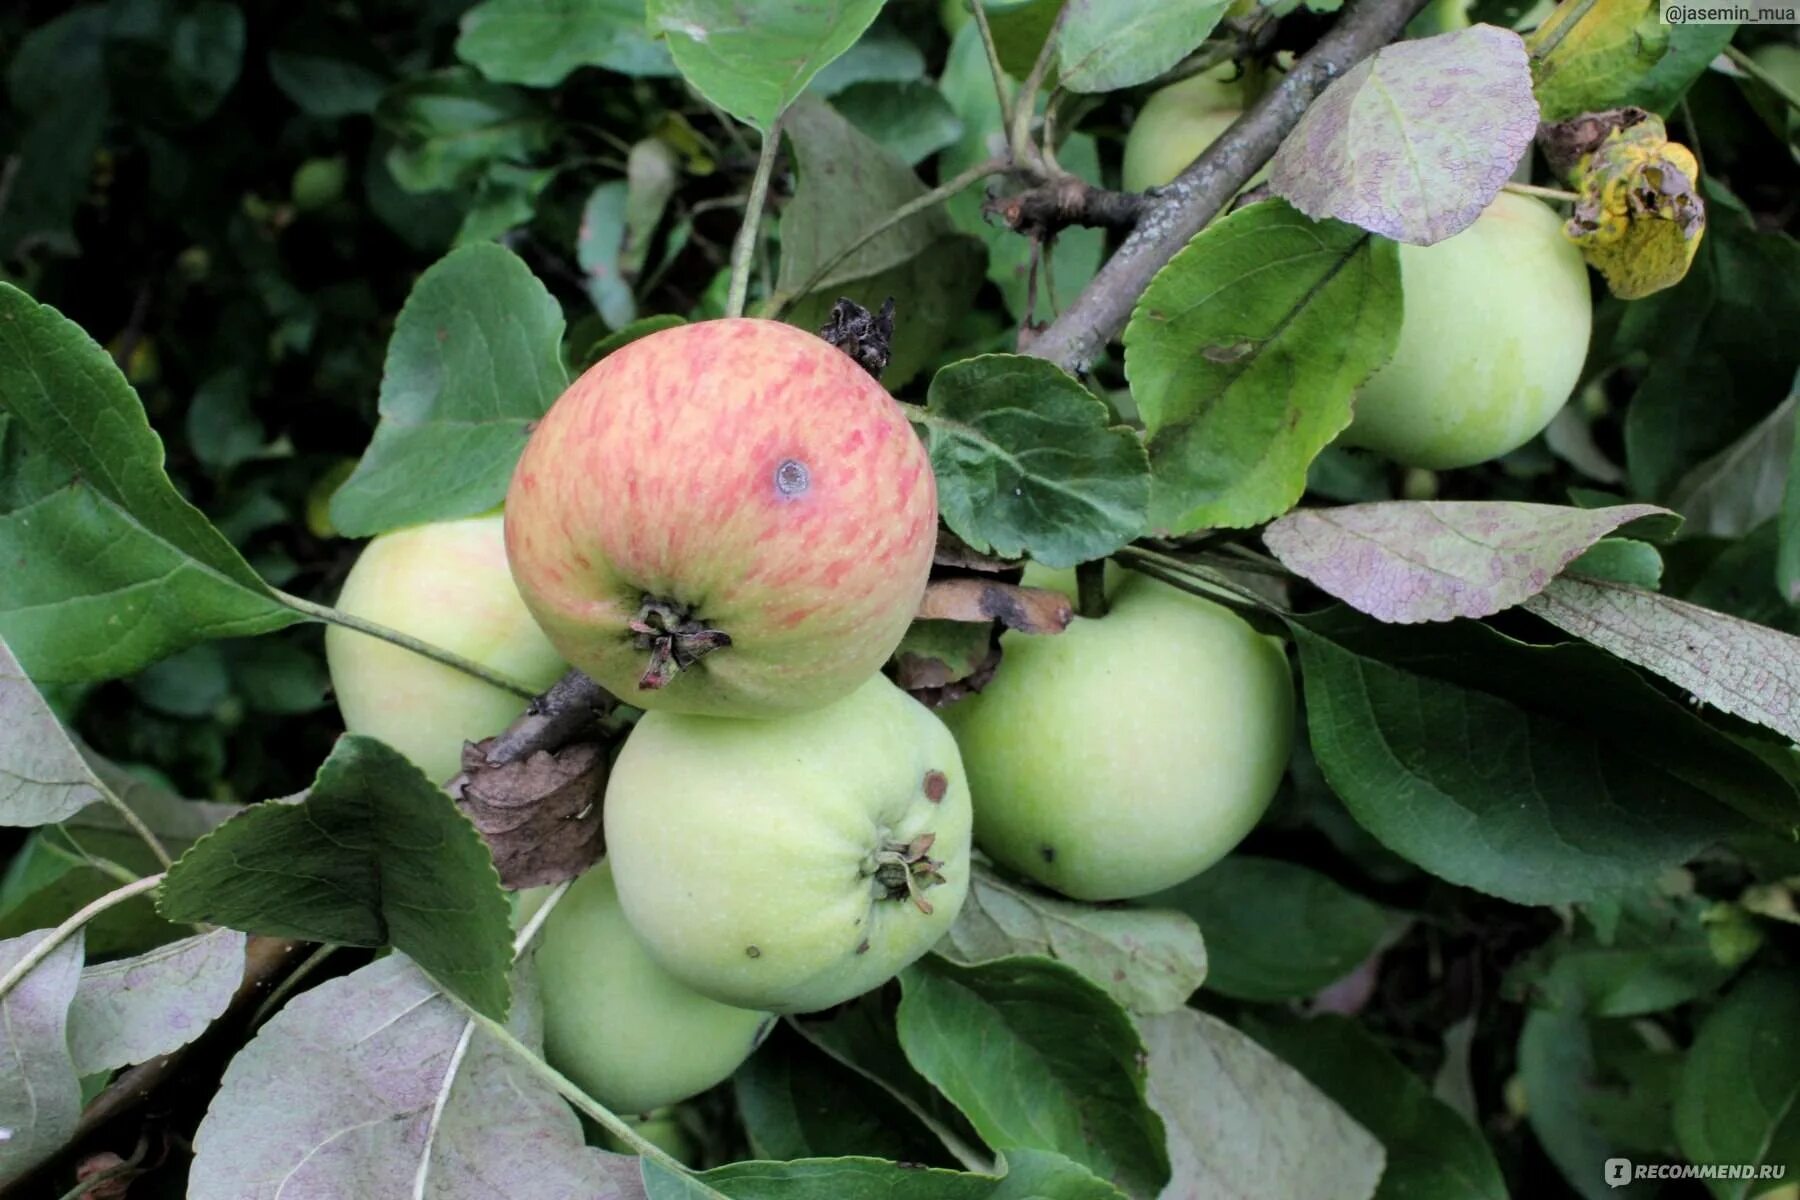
column 1065, row 200
column 1542, row 193
column 69, row 928
column 553, row 720
column 1090, row 588
column 1025, row 103
column 1180, row 210
column 292, row 980
column 993, row 57
column 937, row 195
column 743, row 251
column 1763, row 76
column 337, row 616
column 136, row 824
column 125, row 1166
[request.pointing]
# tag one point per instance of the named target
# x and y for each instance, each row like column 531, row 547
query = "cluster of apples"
column 730, row 525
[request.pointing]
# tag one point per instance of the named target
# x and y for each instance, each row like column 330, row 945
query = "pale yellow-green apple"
column 1129, row 752
column 631, row 1035
column 444, row 583
column 1178, row 122
column 1491, row 345
column 793, row 863
column 730, row 517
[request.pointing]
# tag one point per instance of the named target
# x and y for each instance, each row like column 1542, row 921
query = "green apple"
column 1128, row 753
column 1491, row 345
column 1178, row 122
column 793, row 863
column 629, row 1033
column 447, row 584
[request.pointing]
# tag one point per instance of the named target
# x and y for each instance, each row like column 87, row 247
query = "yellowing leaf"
column 1590, row 55
column 1640, row 217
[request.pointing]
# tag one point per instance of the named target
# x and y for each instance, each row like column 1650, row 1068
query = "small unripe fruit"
column 318, row 183
column 728, row 518
column 1128, row 753
column 629, row 1033
column 1495, row 331
column 446, row 584
column 794, row 863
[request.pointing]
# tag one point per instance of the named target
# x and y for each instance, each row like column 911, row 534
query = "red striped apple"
column 729, row 518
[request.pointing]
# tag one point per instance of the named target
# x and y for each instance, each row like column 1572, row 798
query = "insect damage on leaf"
column 1640, row 217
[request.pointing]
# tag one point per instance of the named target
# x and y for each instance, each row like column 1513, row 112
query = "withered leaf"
column 934, row 654
column 952, row 551
column 1640, row 217
column 541, row 815
column 1027, row 609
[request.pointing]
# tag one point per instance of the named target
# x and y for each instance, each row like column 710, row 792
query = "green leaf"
column 1448, row 746
column 1742, row 485
column 1148, row 961
column 538, row 42
column 883, row 54
column 845, row 179
column 754, row 61
column 1074, row 1077
column 376, row 855
column 1031, row 1175
column 1740, row 1089
column 1431, row 1150
column 597, row 250
column 912, row 120
column 797, row 1102
column 1243, row 354
column 1106, row 45
column 1601, row 58
column 109, row 568
column 178, row 60
column 1028, row 462
column 1691, row 49
column 449, row 125
column 475, row 358
column 1787, row 562
column 329, row 68
column 43, row 777
column 1243, row 1123
column 1720, row 358
column 1622, row 560
column 40, row 1095
column 1565, row 1075
column 935, row 653
column 1305, row 931
column 506, row 199
column 1656, row 952
column 57, row 85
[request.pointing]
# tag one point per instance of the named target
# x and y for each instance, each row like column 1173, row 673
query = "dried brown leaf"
column 1027, row 609
column 541, row 815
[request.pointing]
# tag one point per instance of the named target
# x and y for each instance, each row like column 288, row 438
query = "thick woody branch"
column 1175, row 213
column 561, row 715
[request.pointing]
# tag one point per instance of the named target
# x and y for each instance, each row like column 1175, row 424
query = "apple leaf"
column 1622, row 560
column 883, row 54
column 377, row 1084
column 1787, row 563
column 448, row 126
column 40, row 1094
column 1106, row 45
column 539, row 42
column 130, row 1010
column 108, row 568
column 1431, row 1149
column 1028, row 462
column 912, row 120
column 1563, row 1075
column 43, row 778
column 475, row 358
column 1415, row 140
column 1243, row 354
column 1305, row 932
column 1541, row 774
column 1148, row 961
column 844, row 175
column 1410, row 561
column 936, row 653
column 1742, row 485
column 1601, row 51
column 1748, row 670
column 1691, row 49
column 376, row 855
column 1030, row 1175
column 754, row 61
column 1243, row 1123
column 1739, row 1096
column 597, row 249
column 1074, row 1081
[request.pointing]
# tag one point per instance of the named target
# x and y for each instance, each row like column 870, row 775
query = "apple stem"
column 675, row 639
column 1090, row 589
column 337, row 616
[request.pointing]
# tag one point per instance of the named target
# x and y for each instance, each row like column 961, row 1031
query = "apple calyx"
column 675, row 638
column 904, row 870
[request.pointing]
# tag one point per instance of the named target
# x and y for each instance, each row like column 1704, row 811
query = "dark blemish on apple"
column 753, row 951
column 864, row 948
column 792, row 478
column 936, row 784
column 1049, row 853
